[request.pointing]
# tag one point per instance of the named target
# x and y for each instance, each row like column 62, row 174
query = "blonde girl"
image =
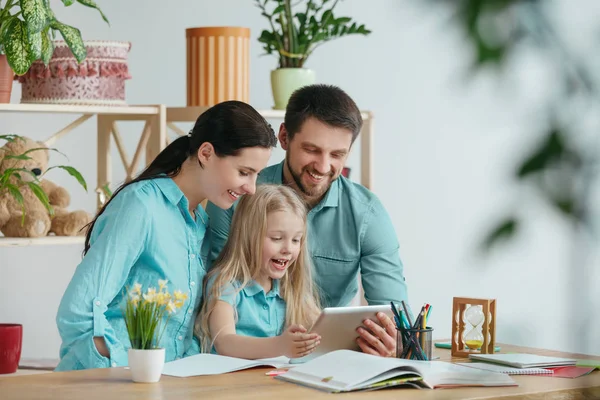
column 259, row 295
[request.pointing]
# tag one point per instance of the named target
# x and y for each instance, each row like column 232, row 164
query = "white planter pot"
column 146, row 365
column 284, row 81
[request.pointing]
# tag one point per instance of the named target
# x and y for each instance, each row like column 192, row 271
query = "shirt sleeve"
column 218, row 231
column 118, row 239
column 382, row 271
column 229, row 292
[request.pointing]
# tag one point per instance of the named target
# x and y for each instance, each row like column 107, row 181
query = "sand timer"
column 473, row 326
column 474, row 337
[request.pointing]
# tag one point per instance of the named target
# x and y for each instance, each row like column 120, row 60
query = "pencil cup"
column 414, row 344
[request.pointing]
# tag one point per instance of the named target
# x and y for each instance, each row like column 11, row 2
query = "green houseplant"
column 146, row 317
column 27, row 28
column 295, row 34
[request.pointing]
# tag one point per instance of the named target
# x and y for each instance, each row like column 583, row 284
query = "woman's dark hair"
column 229, row 127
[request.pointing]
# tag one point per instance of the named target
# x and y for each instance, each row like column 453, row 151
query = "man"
column 349, row 231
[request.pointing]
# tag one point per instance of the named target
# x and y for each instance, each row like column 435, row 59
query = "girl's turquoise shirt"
column 145, row 234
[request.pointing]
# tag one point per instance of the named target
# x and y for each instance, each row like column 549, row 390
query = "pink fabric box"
column 98, row 80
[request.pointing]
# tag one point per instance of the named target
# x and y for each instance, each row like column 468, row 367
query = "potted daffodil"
column 146, row 317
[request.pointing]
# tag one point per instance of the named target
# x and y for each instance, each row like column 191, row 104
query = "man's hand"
column 382, row 339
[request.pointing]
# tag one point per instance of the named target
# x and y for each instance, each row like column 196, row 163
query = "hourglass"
column 480, row 334
column 474, row 337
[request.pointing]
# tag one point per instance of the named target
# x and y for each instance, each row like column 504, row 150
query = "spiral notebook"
column 507, row 370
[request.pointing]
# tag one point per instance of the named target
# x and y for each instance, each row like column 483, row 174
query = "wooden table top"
column 115, row 383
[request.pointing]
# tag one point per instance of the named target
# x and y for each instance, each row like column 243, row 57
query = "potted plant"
column 26, row 31
column 145, row 320
column 293, row 37
column 21, row 177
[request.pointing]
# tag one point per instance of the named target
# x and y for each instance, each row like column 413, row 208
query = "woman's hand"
column 295, row 342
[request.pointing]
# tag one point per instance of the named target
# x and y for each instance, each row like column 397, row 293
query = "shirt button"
column 98, row 303
column 192, row 283
column 179, row 337
column 189, row 312
column 114, row 364
column 192, row 256
column 265, row 307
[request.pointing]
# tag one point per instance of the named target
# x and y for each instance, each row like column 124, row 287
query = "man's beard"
column 316, row 191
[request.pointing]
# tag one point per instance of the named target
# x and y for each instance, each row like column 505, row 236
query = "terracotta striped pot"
column 218, row 61
column 6, row 80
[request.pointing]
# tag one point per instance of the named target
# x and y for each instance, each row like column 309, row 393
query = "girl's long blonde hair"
column 240, row 261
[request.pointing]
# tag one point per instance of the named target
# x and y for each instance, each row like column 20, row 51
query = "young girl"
column 259, row 295
column 152, row 228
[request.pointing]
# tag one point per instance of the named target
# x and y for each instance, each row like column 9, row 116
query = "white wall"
column 444, row 152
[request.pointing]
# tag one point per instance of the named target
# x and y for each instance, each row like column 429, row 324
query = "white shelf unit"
column 158, row 119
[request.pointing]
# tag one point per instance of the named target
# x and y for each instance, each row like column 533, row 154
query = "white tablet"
column 337, row 327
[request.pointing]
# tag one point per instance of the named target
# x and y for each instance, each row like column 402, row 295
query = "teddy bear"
column 38, row 222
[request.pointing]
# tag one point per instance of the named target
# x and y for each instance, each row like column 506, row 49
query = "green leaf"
column 47, row 47
column 74, row 173
column 16, row 193
column 11, row 137
column 343, row 20
column 17, row 157
column 278, row 9
column 16, row 46
column 504, row 230
column 67, row 3
column 548, row 152
column 41, row 195
column 92, row 4
column 73, row 38
column 34, row 13
column 35, row 45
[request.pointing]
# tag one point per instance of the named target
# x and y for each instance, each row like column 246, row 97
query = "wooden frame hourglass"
column 479, row 317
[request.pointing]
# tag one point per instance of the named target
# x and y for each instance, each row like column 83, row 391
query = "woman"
column 152, row 228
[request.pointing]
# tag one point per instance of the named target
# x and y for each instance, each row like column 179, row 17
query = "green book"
column 448, row 345
column 588, row 363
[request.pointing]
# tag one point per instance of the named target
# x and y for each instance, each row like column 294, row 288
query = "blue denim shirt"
column 349, row 232
column 145, row 234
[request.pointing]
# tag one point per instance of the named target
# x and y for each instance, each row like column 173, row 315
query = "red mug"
column 11, row 338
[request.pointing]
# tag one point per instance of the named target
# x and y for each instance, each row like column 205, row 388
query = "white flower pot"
column 146, row 365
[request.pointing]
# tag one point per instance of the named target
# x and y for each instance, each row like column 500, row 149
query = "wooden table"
column 115, row 383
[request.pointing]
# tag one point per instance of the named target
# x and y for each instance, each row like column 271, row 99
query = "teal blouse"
column 145, row 234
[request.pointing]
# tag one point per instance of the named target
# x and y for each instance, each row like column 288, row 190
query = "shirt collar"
column 170, row 189
column 331, row 198
column 253, row 288
column 175, row 196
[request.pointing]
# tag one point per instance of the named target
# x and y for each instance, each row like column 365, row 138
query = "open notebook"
column 523, row 360
column 213, row 364
column 347, row 370
column 503, row 369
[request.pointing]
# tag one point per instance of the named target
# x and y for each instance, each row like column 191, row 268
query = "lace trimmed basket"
column 98, row 80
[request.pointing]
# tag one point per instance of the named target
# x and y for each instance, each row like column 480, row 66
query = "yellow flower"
column 171, row 308
column 134, row 299
column 179, row 303
column 179, row 295
column 150, row 296
column 137, row 289
column 162, row 284
column 162, row 298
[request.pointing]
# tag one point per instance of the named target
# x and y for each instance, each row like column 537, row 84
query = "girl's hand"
column 295, row 342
